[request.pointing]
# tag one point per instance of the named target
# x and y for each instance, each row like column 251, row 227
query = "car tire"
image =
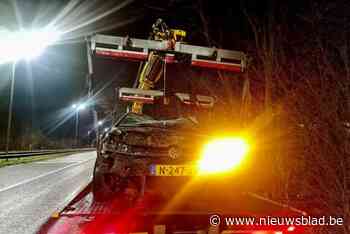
column 100, row 189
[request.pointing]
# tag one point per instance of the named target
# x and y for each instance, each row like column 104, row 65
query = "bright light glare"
column 25, row 44
column 74, row 106
column 222, row 155
column 100, row 123
column 82, row 106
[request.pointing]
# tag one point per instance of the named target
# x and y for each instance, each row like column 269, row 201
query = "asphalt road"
column 30, row 193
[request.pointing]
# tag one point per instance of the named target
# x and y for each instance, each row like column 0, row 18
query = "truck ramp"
column 184, row 215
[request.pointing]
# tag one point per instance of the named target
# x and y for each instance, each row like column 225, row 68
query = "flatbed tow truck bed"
column 183, row 215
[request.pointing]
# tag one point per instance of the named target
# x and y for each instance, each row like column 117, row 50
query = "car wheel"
column 100, row 189
column 133, row 189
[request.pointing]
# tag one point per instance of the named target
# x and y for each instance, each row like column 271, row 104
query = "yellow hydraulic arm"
column 153, row 68
column 164, row 46
column 150, row 74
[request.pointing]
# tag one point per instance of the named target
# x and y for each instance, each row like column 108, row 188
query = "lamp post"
column 99, row 125
column 15, row 46
column 12, row 78
column 76, row 128
column 77, row 108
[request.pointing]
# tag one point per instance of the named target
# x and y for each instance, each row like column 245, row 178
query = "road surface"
column 30, row 193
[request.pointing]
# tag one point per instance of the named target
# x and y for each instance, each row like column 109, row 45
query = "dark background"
column 47, row 86
column 296, row 107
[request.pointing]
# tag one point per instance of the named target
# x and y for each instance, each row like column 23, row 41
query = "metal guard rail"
column 22, row 154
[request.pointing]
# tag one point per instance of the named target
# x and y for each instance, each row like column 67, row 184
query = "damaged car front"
column 139, row 146
column 140, row 152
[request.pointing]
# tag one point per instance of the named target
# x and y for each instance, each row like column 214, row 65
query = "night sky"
column 47, row 86
column 296, row 111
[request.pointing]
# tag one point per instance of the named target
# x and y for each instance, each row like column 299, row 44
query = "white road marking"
column 43, row 175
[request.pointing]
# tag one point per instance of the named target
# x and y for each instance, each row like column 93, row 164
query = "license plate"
column 172, row 170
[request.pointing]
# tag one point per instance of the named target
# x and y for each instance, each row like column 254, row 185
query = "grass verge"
column 14, row 161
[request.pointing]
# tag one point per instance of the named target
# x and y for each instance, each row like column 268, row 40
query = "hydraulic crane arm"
column 164, row 46
column 115, row 47
column 153, row 69
column 150, row 74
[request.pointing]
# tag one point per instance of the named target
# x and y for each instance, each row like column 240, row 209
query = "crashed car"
column 139, row 149
column 138, row 146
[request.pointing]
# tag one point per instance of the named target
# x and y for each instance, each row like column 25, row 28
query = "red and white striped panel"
column 122, row 54
column 217, row 65
column 169, row 58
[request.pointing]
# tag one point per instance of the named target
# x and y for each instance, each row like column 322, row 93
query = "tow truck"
column 192, row 208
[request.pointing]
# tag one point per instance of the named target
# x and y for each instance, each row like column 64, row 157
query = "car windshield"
column 132, row 118
column 136, row 119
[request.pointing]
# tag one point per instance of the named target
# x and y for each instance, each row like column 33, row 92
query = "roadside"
column 14, row 161
column 31, row 192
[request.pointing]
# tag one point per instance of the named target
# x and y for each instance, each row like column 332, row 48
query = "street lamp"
column 15, row 46
column 25, row 44
column 81, row 107
column 77, row 107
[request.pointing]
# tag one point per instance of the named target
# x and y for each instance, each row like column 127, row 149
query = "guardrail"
column 23, row 154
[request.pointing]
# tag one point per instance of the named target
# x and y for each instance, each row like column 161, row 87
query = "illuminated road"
column 29, row 193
